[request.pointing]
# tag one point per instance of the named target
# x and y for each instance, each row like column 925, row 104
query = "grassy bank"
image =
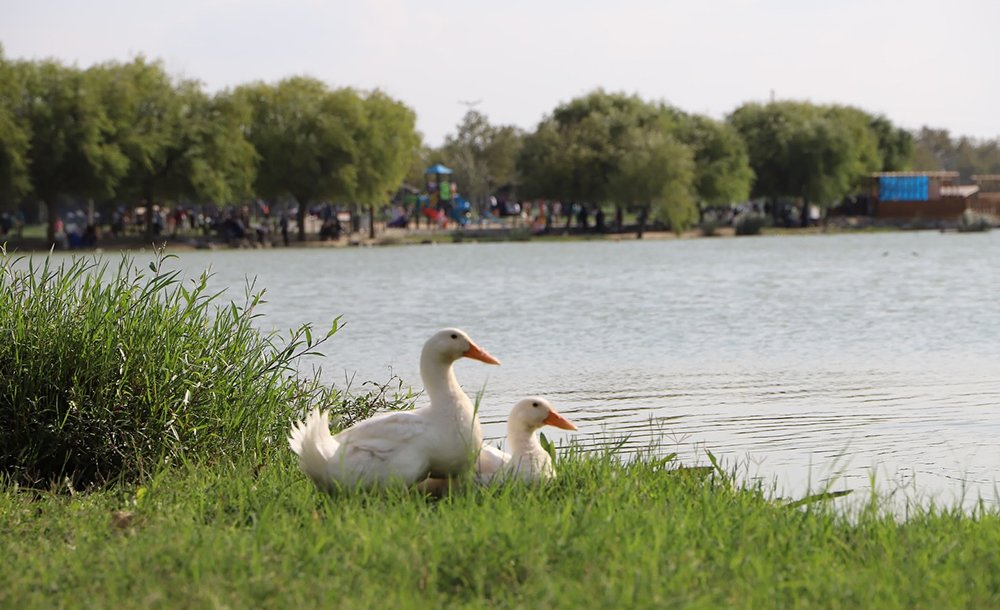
column 163, row 402
column 34, row 237
column 604, row 535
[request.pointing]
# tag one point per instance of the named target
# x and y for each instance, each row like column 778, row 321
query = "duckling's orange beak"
column 477, row 353
column 554, row 419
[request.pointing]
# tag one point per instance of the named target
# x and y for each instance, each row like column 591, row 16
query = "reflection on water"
column 805, row 357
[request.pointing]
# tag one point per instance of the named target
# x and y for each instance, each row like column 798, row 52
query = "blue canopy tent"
column 438, row 170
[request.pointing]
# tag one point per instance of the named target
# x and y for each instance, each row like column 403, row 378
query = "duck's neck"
column 521, row 439
column 441, row 385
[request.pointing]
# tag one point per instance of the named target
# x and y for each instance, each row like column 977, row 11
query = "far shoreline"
column 415, row 237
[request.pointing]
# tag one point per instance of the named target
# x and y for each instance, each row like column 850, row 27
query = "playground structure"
column 439, row 202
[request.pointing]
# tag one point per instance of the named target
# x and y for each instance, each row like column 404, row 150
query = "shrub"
column 971, row 222
column 108, row 376
column 709, row 228
column 750, row 224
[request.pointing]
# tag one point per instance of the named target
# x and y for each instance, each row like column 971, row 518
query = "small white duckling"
column 527, row 460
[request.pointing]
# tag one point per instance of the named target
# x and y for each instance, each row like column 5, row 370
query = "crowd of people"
column 242, row 225
column 12, row 223
column 256, row 224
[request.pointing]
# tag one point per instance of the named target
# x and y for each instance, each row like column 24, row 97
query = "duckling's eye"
column 534, row 404
column 454, row 336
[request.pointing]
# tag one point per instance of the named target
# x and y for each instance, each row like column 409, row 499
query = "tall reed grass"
column 107, row 373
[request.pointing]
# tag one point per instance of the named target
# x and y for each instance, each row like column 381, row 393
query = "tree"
column 813, row 153
column 894, row 143
column 867, row 155
column 15, row 135
column 305, row 136
column 656, row 176
column 219, row 163
column 424, row 157
column 722, row 173
column 544, row 163
column 73, row 151
column 482, row 155
column 590, row 149
column 180, row 142
column 574, row 152
column 935, row 149
column 387, row 142
column 142, row 104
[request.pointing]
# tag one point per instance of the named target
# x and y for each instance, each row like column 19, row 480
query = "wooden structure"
column 929, row 196
column 988, row 200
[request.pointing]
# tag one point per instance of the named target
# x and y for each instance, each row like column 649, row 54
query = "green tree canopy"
column 818, row 154
column 218, row 163
column 388, row 142
column 305, row 136
column 593, row 148
column 722, row 172
column 544, row 165
column 180, row 143
column 483, row 156
column 656, row 174
column 15, row 135
column 73, row 148
column 894, row 143
column 935, row 149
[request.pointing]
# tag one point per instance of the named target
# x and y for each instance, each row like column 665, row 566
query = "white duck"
column 401, row 447
column 527, row 461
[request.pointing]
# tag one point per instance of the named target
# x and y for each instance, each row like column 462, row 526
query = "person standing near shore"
column 283, row 223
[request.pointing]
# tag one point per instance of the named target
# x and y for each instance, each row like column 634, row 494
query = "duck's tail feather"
column 312, row 442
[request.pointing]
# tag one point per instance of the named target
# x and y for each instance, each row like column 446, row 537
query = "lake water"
column 804, row 358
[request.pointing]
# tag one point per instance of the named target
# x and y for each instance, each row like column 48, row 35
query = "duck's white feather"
column 401, row 447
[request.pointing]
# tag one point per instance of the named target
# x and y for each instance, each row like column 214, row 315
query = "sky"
column 915, row 61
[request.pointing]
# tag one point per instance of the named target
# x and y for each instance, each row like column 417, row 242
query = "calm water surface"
column 804, row 358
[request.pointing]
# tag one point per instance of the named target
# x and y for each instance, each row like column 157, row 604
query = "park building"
column 932, row 195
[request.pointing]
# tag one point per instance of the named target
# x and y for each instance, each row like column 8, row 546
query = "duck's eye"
column 534, row 404
column 454, row 336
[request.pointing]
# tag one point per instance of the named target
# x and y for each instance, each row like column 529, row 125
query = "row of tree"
column 131, row 133
column 618, row 149
column 937, row 149
column 655, row 159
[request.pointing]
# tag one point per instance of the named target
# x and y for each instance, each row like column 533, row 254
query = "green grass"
column 604, row 535
column 34, row 231
column 167, row 401
column 107, row 373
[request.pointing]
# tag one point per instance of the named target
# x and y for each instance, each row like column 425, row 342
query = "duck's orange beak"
column 477, row 353
column 554, row 419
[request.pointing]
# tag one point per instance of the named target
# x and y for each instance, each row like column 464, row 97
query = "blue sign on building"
column 903, row 188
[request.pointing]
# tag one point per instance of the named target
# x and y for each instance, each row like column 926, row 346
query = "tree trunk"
column 371, row 221
column 147, row 192
column 50, row 230
column 804, row 219
column 643, row 214
column 300, row 219
column 619, row 217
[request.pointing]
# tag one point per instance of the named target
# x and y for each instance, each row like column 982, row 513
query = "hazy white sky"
column 918, row 62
